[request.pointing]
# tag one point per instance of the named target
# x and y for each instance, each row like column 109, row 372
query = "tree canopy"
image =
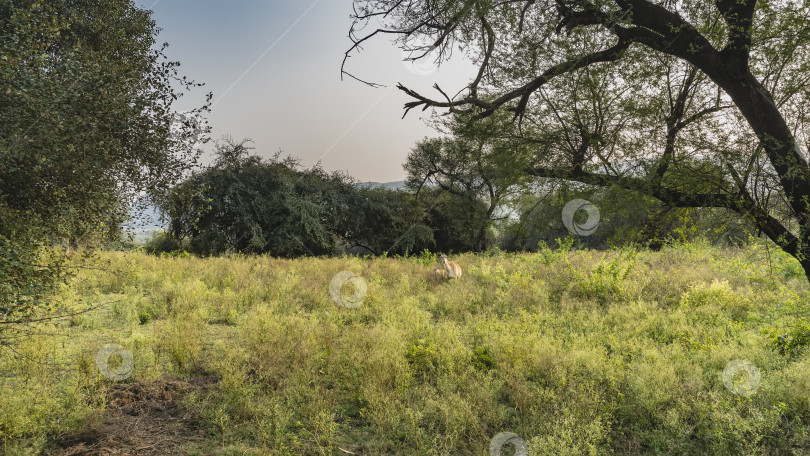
column 473, row 171
column 243, row 203
column 87, row 123
column 697, row 104
column 249, row 204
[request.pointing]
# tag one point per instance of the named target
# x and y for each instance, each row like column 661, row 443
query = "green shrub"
column 793, row 342
column 423, row 356
column 163, row 242
column 481, row 359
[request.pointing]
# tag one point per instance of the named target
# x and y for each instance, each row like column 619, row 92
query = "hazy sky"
column 274, row 69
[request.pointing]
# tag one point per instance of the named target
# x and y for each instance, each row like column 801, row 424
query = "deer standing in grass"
column 451, row 269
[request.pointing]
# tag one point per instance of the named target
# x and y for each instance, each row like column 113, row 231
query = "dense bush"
column 244, row 203
column 163, row 242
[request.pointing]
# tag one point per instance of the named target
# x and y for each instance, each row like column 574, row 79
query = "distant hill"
column 398, row 185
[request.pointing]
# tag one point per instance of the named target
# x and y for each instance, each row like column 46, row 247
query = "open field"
column 578, row 352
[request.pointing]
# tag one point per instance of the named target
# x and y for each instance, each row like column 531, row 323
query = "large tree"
column 471, row 169
column 697, row 104
column 87, row 124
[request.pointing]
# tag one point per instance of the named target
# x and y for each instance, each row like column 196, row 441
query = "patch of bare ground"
column 143, row 418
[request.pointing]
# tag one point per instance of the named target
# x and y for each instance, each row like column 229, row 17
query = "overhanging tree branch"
column 522, row 93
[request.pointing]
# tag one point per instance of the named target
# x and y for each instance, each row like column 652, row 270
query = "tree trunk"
column 767, row 122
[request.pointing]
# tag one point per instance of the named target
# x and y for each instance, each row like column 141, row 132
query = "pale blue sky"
column 293, row 98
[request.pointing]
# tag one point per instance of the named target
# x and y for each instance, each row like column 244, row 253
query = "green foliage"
column 794, row 342
column 274, row 366
column 549, row 255
column 91, row 151
column 427, row 258
column 626, row 219
column 423, row 356
column 455, row 221
column 246, row 204
column 482, row 359
column 29, row 271
column 86, row 124
column 387, row 221
column 606, row 281
column 144, row 317
column 162, row 242
column 792, row 336
column 480, row 173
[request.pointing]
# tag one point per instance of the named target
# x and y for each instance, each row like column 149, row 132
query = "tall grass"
column 577, row 352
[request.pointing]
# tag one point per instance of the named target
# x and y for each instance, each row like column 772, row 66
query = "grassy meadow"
column 576, row 352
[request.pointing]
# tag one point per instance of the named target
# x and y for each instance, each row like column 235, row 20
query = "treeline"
column 248, row 204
